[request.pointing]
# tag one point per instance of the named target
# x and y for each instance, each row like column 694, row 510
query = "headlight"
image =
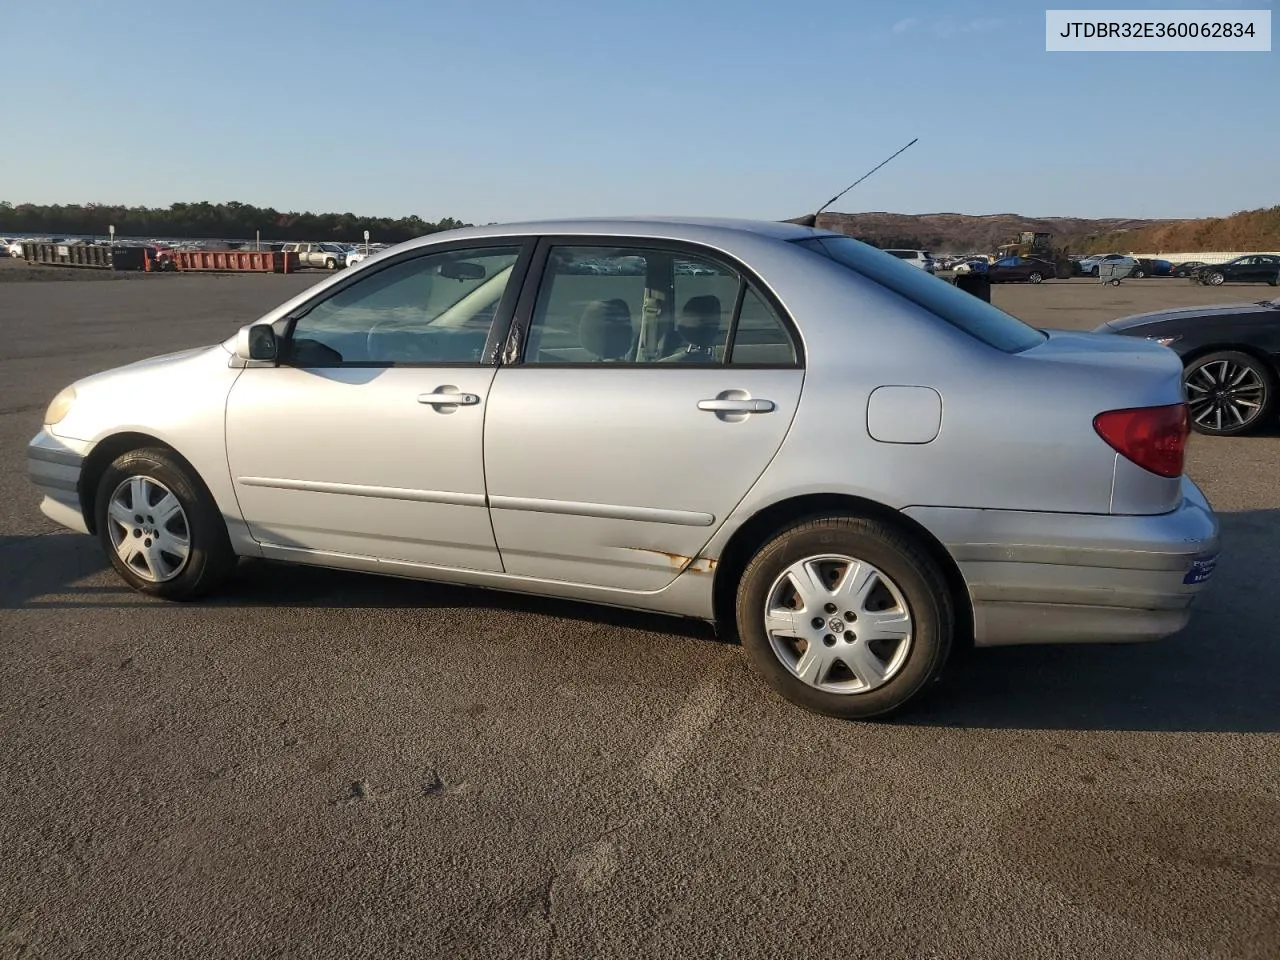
column 60, row 406
column 1165, row 341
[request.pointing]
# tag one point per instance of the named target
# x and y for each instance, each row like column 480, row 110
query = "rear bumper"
column 54, row 466
column 1079, row 578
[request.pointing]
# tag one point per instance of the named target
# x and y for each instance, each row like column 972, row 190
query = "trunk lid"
column 1095, row 373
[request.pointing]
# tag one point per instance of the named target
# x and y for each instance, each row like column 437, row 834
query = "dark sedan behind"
column 1021, row 269
column 1254, row 268
column 1230, row 357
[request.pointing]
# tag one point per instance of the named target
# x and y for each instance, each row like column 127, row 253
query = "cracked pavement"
column 320, row 764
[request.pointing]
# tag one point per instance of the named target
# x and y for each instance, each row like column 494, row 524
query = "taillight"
column 1155, row 438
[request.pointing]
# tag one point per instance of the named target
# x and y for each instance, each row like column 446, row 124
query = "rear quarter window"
column 974, row 316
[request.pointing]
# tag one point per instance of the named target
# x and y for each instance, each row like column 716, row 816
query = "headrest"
column 699, row 321
column 605, row 329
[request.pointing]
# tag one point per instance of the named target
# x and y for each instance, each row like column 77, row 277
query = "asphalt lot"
column 320, row 764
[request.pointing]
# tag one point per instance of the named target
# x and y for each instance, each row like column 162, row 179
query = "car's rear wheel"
column 1035, row 277
column 331, row 264
column 1138, row 273
column 1228, row 393
column 845, row 616
column 161, row 531
column 1214, row 279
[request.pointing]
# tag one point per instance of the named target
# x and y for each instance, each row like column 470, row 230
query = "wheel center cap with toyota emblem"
column 835, row 625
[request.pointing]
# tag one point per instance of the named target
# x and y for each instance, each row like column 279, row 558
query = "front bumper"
column 1079, row 578
column 54, row 465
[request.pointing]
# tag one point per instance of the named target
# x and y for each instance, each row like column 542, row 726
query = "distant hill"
column 962, row 233
column 1247, row 230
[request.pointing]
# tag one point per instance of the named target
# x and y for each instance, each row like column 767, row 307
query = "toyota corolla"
column 849, row 463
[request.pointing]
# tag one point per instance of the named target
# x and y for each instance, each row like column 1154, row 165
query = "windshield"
column 974, row 316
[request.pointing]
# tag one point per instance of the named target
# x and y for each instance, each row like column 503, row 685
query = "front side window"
column 622, row 305
column 974, row 316
column 436, row 308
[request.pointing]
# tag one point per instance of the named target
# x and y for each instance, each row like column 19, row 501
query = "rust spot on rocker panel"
column 679, row 562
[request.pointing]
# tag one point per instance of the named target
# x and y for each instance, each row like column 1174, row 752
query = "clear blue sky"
column 507, row 109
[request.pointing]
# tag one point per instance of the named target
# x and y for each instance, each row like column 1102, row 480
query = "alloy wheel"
column 148, row 529
column 838, row 624
column 1225, row 395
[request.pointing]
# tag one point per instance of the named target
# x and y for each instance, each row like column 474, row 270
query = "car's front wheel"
column 1214, row 279
column 1228, row 393
column 1035, row 277
column 162, row 532
column 331, row 264
column 845, row 616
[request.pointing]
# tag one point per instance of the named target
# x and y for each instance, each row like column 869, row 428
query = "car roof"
column 706, row 229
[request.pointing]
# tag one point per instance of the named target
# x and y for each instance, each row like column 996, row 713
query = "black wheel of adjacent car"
column 1275, row 281
column 846, row 616
column 1228, row 393
column 160, row 528
column 1214, row 279
column 1035, row 277
column 1138, row 273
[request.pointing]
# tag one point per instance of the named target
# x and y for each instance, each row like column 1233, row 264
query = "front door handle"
column 736, row 406
column 449, row 399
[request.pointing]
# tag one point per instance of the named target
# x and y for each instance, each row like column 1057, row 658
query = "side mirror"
column 256, row 342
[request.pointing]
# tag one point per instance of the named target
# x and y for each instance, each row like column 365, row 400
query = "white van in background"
column 918, row 258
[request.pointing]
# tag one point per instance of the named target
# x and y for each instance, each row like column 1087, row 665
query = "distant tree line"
column 204, row 220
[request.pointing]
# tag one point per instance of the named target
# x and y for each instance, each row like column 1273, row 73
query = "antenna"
column 811, row 220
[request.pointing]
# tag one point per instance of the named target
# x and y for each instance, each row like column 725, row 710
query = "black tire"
column 1274, row 281
column 1265, row 411
column 917, row 577
column 1214, row 279
column 1034, row 277
column 1138, row 274
column 331, row 264
column 210, row 557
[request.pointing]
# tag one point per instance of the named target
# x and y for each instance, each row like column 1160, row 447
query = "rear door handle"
column 736, row 406
column 449, row 399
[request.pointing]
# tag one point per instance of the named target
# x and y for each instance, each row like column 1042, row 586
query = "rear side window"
column 761, row 339
column 650, row 305
column 975, row 317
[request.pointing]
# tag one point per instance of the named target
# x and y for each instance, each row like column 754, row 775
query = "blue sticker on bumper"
column 1201, row 570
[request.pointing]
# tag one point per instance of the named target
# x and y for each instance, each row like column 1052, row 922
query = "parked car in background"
column 761, row 445
column 917, row 258
column 14, row 249
column 1230, row 355
column 1152, row 267
column 363, row 252
column 1021, row 269
column 974, row 265
column 1254, row 268
column 1184, row 269
column 1089, row 265
column 329, row 256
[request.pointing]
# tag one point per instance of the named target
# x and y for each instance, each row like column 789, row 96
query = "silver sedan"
column 850, row 464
